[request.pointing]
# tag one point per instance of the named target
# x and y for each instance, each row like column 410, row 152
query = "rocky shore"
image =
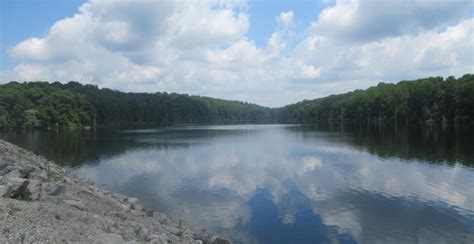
column 43, row 202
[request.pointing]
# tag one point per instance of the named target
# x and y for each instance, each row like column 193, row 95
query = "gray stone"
column 26, row 171
column 107, row 238
column 13, row 182
column 35, row 189
column 148, row 212
column 3, row 189
column 160, row 239
column 12, row 174
column 131, row 200
column 118, row 196
column 142, row 233
column 172, row 229
column 75, row 203
column 4, row 162
column 220, row 240
column 54, row 216
column 54, row 189
column 136, row 207
column 203, row 236
column 22, row 192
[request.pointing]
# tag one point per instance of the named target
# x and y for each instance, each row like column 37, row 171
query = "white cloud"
column 285, row 19
column 362, row 20
column 202, row 47
column 32, row 48
column 428, row 53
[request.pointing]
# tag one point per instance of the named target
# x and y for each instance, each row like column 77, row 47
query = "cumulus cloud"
column 362, row 20
column 429, row 53
column 202, row 47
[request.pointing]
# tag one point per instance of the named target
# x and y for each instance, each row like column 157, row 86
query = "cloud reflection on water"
column 214, row 184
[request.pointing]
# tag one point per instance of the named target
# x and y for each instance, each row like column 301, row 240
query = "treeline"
column 40, row 104
column 431, row 100
column 49, row 105
column 53, row 105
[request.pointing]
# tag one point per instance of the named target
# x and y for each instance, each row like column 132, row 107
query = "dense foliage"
column 429, row 100
column 40, row 104
column 49, row 105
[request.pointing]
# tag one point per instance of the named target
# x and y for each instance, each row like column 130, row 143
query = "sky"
column 271, row 53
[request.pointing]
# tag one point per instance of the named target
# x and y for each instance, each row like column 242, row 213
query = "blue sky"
column 21, row 19
column 35, row 17
column 263, row 14
column 268, row 53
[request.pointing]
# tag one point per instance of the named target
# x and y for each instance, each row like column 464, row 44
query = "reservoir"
column 284, row 183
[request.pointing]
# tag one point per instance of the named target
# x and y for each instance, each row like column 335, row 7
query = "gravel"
column 43, row 202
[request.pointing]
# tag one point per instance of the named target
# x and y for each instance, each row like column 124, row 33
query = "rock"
column 54, row 217
column 4, row 162
column 173, row 230
column 22, row 192
column 131, row 199
column 4, row 189
column 161, row 217
column 148, row 212
column 130, row 242
column 54, row 189
column 159, row 239
column 121, row 216
column 12, row 174
column 26, row 171
column 125, row 206
column 118, row 196
column 13, row 182
column 35, row 189
column 136, row 207
column 107, row 238
column 220, row 240
column 142, row 233
column 203, row 236
column 75, row 203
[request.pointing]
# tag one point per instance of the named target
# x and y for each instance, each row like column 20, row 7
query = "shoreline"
column 43, row 202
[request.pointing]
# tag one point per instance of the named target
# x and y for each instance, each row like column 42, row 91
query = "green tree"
column 31, row 121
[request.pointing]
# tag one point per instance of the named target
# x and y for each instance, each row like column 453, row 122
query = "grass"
column 49, row 175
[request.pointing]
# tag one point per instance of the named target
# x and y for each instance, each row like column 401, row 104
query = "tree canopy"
column 48, row 105
column 425, row 100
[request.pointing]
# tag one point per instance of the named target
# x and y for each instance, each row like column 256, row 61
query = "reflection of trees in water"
column 429, row 144
column 77, row 147
column 70, row 148
column 186, row 172
column 424, row 143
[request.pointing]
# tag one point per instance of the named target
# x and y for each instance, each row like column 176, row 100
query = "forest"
column 430, row 100
column 53, row 105
column 73, row 105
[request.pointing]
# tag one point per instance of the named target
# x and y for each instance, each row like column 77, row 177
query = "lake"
column 284, row 183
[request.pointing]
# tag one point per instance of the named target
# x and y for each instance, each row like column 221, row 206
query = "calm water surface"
column 285, row 183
